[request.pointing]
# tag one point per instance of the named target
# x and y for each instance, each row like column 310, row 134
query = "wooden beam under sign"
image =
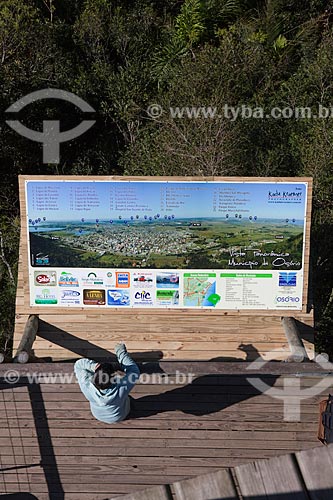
column 25, row 347
column 297, row 349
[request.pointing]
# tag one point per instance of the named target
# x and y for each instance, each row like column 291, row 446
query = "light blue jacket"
column 112, row 404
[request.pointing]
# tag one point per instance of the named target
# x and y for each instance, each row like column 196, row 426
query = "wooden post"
column 24, row 349
column 297, row 349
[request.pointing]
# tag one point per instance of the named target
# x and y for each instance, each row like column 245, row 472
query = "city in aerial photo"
column 166, row 225
column 179, row 244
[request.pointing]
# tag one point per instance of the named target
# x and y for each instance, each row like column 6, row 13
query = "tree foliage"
column 121, row 56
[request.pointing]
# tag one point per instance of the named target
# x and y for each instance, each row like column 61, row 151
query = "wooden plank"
column 88, row 481
column 169, row 403
column 180, row 337
column 23, row 178
column 126, row 464
column 103, row 490
column 234, row 369
column 208, row 403
column 275, row 477
column 316, row 466
column 159, row 383
column 247, row 319
column 305, row 429
column 159, row 392
column 89, row 496
column 222, row 456
column 210, row 486
column 229, row 415
column 78, row 435
column 306, row 263
column 134, row 345
column 123, row 464
column 103, row 445
column 27, row 309
column 157, row 493
column 62, row 354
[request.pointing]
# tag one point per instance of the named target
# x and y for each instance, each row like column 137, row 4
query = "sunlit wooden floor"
column 51, row 446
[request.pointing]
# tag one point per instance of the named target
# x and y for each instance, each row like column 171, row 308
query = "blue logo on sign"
column 287, row 279
column 70, row 293
column 118, row 297
column 287, row 299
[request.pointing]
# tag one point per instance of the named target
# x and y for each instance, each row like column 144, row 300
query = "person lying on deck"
column 107, row 391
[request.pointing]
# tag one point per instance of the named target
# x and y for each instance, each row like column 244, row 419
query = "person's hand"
column 119, row 347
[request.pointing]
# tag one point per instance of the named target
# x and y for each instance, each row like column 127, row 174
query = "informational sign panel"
column 166, row 244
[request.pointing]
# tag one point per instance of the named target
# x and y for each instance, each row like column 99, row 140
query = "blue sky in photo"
column 185, row 199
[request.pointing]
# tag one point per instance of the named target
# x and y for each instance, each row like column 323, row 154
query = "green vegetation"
column 209, row 246
column 122, row 56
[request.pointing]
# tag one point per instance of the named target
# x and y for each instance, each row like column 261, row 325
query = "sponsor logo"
column 70, row 297
column 67, row 279
column 45, row 278
column 122, row 280
column 167, row 297
column 69, row 293
column 42, row 279
column 118, row 297
column 287, row 279
column 142, row 295
column 143, row 279
column 94, row 297
column 287, row 299
column 167, row 280
column 46, row 297
column 109, row 274
column 92, row 279
column 143, row 298
column 42, row 260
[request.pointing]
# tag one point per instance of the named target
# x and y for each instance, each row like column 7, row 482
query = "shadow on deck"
column 52, row 447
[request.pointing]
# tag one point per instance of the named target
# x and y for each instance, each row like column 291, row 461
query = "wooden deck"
column 176, row 336
column 51, row 446
column 302, row 475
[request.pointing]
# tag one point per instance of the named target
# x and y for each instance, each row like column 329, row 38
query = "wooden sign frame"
column 23, row 298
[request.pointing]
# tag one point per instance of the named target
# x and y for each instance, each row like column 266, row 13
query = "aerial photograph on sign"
column 166, row 225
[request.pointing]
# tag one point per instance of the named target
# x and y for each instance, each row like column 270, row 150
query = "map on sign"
column 125, row 243
column 200, row 290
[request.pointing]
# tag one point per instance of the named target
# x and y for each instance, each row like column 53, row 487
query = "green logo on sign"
column 214, row 298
